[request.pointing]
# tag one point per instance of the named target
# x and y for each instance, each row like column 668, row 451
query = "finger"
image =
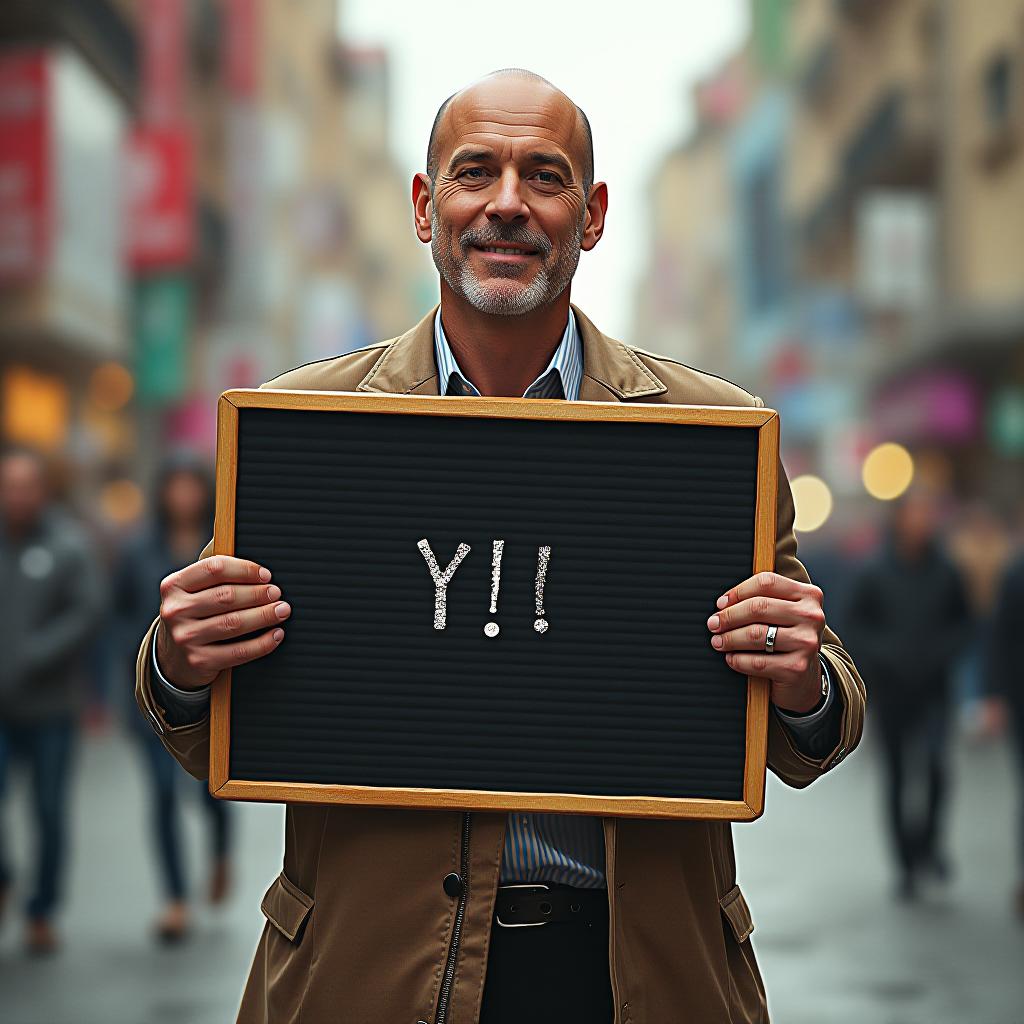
column 770, row 584
column 752, row 638
column 230, row 624
column 228, row 597
column 782, row 668
column 217, row 657
column 218, row 569
column 756, row 609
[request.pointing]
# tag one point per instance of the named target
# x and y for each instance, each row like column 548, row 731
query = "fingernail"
column 265, row 575
column 273, row 593
column 716, row 641
column 282, row 610
column 722, row 601
column 278, row 635
column 714, row 622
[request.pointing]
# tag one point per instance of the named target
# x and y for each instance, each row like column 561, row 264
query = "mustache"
column 513, row 233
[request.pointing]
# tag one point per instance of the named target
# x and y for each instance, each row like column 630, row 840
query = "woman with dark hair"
column 182, row 522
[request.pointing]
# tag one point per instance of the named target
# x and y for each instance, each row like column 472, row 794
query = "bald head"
column 514, row 87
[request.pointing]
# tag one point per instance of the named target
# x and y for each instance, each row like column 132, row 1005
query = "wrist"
column 817, row 694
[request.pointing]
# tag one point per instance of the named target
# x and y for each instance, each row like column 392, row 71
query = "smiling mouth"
column 505, row 250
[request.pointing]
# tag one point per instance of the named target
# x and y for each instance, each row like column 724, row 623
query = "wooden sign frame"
column 765, row 421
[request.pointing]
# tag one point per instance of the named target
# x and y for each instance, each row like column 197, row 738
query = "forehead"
column 510, row 112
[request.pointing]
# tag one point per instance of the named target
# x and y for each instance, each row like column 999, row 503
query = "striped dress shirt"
column 565, row 848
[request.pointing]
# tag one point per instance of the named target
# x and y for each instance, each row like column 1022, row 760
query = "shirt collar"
column 566, row 363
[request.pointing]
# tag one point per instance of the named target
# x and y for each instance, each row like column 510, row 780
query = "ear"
column 421, row 205
column 597, row 207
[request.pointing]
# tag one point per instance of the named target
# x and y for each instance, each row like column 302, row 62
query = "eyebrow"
column 547, row 157
column 466, row 156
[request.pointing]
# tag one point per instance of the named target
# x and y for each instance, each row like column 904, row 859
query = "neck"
column 502, row 355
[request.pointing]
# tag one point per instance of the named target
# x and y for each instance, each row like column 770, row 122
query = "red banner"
column 159, row 221
column 25, row 174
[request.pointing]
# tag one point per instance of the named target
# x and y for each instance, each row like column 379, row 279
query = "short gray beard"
column 503, row 300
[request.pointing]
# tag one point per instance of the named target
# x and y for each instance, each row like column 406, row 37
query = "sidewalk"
column 833, row 948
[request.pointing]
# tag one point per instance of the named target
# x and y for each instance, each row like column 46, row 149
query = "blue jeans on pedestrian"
column 166, row 779
column 46, row 747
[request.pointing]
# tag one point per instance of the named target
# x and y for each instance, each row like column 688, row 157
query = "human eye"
column 473, row 173
column 548, row 179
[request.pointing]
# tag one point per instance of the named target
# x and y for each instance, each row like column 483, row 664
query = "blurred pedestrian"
column 1005, row 679
column 980, row 545
column 182, row 521
column 52, row 599
column 909, row 621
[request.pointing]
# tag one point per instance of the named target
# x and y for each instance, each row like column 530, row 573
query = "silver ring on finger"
column 769, row 639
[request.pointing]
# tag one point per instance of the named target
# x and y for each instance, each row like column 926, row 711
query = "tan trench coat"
column 359, row 929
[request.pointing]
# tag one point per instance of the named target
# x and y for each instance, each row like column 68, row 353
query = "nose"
column 506, row 203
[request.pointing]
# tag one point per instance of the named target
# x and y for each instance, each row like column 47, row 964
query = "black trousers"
column 916, row 748
column 554, row 974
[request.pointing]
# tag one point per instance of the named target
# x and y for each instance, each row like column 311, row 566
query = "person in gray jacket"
column 53, row 597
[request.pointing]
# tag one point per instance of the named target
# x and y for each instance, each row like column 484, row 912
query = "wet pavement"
column 833, row 947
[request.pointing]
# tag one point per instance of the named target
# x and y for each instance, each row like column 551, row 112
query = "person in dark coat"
column 182, row 521
column 52, row 599
column 1005, row 679
column 908, row 622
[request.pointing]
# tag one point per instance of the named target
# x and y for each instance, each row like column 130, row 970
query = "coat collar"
column 611, row 371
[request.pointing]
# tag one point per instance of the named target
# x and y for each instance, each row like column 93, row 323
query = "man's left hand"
column 740, row 628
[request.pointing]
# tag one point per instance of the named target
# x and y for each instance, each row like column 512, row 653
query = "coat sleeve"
column 188, row 744
column 784, row 758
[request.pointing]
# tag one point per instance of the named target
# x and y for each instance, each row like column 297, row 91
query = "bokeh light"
column 122, row 501
column 813, row 501
column 888, row 470
column 110, row 387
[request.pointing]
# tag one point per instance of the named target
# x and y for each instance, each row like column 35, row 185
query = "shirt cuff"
column 806, row 723
column 189, row 705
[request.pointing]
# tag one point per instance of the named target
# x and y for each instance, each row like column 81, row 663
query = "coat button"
column 452, row 885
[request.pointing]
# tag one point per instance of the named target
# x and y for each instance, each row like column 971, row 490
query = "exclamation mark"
column 492, row 628
column 543, row 557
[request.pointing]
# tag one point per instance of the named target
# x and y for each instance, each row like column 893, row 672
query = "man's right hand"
column 204, row 606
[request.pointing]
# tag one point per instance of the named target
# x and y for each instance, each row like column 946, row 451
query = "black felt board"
column 648, row 524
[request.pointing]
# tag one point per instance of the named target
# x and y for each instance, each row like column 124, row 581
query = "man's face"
column 22, row 490
column 508, row 212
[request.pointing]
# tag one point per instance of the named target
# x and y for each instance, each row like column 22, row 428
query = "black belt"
column 536, row 903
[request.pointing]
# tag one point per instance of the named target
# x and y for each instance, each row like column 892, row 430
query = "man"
column 1004, row 687
column 909, row 619
column 385, row 915
column 50, row 604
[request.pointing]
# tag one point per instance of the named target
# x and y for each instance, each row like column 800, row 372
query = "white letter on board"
column 441, row 579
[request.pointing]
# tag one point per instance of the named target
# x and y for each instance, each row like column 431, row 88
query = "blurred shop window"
column 998, row 84
column 35, row 407
column 766, row 237
column 1000, row 108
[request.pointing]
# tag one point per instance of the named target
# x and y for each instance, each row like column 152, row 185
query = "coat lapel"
column 611, row 371
column 407, row 366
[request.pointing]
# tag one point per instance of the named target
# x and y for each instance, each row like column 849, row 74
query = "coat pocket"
column 737, row 913
column 287, row 907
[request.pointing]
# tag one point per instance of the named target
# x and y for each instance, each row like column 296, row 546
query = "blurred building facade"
column 194, row 195
column 866, row 187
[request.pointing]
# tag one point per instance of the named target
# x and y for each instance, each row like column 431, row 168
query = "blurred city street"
column 846, row 954
column 819, row 200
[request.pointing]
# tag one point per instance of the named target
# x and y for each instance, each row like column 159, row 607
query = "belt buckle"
column 524, row 924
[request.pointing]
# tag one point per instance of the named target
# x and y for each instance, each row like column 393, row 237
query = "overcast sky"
column 630, row 71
